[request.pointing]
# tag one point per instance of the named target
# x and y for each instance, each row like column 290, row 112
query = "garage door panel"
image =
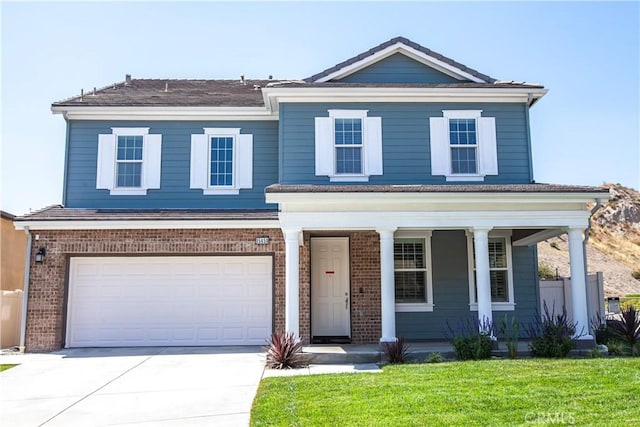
column 148, row 301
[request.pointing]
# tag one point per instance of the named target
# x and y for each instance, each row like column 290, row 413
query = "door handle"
column 346, row 301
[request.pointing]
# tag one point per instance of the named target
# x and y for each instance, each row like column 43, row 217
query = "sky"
column 585, row 131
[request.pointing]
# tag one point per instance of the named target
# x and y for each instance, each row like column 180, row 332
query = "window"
column 221, row 161
column 463, row 145
column 463, row 142
column 129, row 161
column 500, row 272
column 348, row 145
column 412, row 275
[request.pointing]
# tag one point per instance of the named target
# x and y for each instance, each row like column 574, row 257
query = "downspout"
column 25, row 291
column 584, row 249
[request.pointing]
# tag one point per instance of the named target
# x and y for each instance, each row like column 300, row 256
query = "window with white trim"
column 500, row 271
column 412, row 272
column 129, row 161
column 221, row 161
column 463, row 145
column 348, row 145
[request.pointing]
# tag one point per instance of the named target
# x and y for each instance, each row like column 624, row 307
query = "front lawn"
column 5, row 367
column 490, row 392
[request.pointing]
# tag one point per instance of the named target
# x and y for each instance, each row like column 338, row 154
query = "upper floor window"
column 500, row 271
column 221, row 161
column 463, row 145
column 412, row 272
column 129, row 161
column 348, row 145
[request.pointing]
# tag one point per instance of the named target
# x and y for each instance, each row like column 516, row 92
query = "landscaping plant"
column 553, row 335
column 472, row 340
column 435, row 358
column 284, row 351
column 510, row 330
column 627, row 329
column 396, row 351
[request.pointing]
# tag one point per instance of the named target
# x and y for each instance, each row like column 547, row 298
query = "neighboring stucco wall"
column 48, row 282
column 12, row 252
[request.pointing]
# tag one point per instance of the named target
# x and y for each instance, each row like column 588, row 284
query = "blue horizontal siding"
column 398, row 68
column 405, row 141
column 81, row 192
column 451, row 290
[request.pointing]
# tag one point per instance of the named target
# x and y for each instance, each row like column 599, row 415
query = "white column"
column 578, row 283
column 483, row 279
column 388, row 296
column 292, row 281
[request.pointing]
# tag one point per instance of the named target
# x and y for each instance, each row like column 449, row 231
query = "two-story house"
column 379, row 198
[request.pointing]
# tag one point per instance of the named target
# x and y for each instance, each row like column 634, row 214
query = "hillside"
column 614, row 243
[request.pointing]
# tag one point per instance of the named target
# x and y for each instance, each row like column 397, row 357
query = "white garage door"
column 174, row 301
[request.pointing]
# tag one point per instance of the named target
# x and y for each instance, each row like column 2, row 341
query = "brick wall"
column 48, row 281
column 364, row 253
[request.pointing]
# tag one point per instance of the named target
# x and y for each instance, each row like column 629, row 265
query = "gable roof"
column 406, row 47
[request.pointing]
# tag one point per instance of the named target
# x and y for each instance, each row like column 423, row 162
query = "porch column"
column 578, row 283
column 387, row 288
column 483, row 279
column 292, row 281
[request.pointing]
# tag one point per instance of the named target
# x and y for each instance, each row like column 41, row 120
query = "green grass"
column 5, row 367
column 475, row 393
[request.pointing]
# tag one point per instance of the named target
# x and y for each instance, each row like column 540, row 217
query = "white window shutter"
column 105, row 174
column 487, row 146
column 199, row 159
column 324, row 146
column 244, row 161
column 152, row 153
column 373, row 146
column 440, row 151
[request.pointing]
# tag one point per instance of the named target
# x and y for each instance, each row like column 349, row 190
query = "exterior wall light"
column 40, row 255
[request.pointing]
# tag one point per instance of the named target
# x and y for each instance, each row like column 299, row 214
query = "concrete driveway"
column 172, row 386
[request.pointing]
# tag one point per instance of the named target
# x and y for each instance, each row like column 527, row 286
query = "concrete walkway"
column 178, row 386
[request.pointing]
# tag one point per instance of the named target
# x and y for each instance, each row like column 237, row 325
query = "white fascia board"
column 145, row 224
column 367, row 220
column 165, row 113
column 384, row 201
column 412, row 53
column 277, row 95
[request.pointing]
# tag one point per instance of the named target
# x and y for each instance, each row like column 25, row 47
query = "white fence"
column 557, row 293
column 11, row 304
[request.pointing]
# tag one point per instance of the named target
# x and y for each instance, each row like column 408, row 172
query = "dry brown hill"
column 614, row 243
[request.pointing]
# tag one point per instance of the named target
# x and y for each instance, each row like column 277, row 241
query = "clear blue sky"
column 585, row 130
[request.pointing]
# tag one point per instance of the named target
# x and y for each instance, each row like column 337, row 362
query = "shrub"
column 396, row 351
column 636, row 275
column 509, row 331
column 627, row 329
column 545, row 272
column 596, row 353
column 601, row 330
column 554, row 245
column 472, row 340
column 616, row 348
column 284, row 351
column 435, row 358
column 553, row 336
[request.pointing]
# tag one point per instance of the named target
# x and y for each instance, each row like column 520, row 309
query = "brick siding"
column 49, row 281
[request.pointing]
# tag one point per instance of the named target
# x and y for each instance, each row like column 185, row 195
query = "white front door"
column 330, row 299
